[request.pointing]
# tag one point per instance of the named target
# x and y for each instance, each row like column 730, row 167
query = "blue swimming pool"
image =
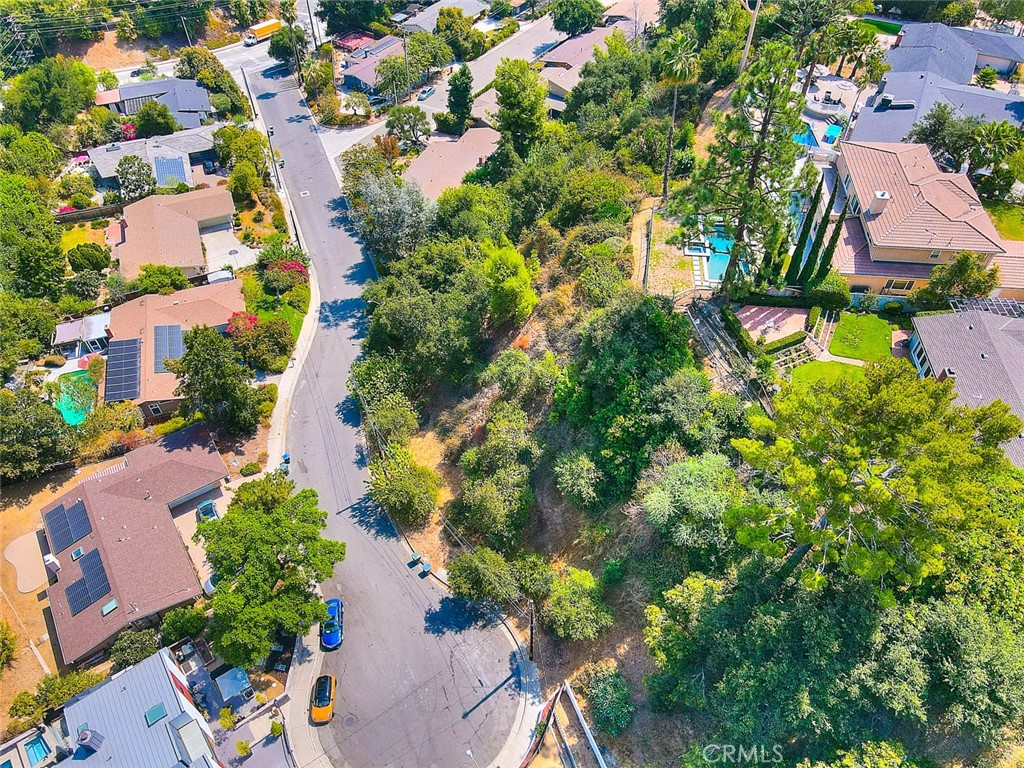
column 806, row 138
column 37, row 750
column 718, row 261
column 832, row 133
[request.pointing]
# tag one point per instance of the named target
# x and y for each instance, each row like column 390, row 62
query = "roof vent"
column 984, row 356
column 113, row 147
column 970, row 326
column 90, row 739
column 879, row 202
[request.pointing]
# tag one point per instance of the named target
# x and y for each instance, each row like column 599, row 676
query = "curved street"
column 422, row 678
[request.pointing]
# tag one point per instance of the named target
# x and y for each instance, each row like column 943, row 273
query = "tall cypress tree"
column 794, row 264
column 825, row 263
column 812, row 256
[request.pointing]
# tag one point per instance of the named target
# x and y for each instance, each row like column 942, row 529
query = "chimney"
column 899, row 39
column 90, row 740
column 946, row 373
column 879, row 202
column 52, row 563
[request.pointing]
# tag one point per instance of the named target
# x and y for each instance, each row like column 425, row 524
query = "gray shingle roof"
column 427, row 19
column 995, row 44
column 116, row 709
column 933, row 48
column 985, row 352
column 914, row 94
column 181, row 144
column 187, row 101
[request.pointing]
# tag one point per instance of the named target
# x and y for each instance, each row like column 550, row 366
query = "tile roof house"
column 174, row 154
column 983, row 352
column 906, row 216
column 145, row 331
column 187, row 101
column 165, row 229
column 444, row 162
column 144, row 716
column 117, row 556
column 426, row 20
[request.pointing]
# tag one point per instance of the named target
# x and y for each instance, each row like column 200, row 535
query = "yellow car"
column 321, row 704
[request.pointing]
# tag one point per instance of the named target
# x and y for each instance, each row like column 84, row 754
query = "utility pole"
column 750, row 37
column 185, row 27
column 532, row 617
column 405, row 55
column 312, row 25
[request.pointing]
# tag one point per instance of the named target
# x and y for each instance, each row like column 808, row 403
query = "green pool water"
column 71, row 414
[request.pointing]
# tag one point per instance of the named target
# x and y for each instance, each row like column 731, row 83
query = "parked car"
column 210, row 585
column 138, row 72
column 209, row 167
column 376, row 102
column 332, row 631
column 426, row 93
column 206, row 510
column 321, row 703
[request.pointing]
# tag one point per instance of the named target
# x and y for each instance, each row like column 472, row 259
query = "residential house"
column 444, row 162
column 935, row 64
column 39, row 747
column 115, row 556
column 142, row 717
column 563, row 64
column 360, row 66
column 906, row 216
column 187, row 101
column 167, row 229
column 426, row 20
column 983, row 353
column 642, row 14
column 79, row 337
column 171, row 157
column 147, row 330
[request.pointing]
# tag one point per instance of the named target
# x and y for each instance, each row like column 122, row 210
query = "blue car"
column 332, row 631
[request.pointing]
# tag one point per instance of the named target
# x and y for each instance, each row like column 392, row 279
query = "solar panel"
column 60, row 531
column 170, row 171
column 78, row 521
column 77, row 594
column 122, row 374
column 95, row 575
column 167, row 343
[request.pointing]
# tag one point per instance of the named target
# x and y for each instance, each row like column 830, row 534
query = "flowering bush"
column 128, row 132
column 65, row 209
column 240, row 323
column 282, row 276
column 294, row 267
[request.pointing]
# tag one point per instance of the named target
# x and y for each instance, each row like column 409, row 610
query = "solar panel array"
column 170, row 171
column 123, row 370
column 66, row 526
column 91, row 587
column 167, row 342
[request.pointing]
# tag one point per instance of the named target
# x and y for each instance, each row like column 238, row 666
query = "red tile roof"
column 852, row 257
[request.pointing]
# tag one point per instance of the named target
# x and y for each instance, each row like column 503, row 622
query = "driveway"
column 421, row 677
column 223, row 249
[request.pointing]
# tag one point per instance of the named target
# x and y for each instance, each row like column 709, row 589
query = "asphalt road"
column 421, row 677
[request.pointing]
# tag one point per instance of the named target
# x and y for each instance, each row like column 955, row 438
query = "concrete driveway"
column 223, row 249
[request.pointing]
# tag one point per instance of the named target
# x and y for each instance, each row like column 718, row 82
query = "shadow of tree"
column 455, row 615
column 371, row 518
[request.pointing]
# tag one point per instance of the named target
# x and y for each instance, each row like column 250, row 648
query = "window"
column 109, row 608
column 898, row 285
column 154, row 408
column 855, row 206
column 934, row 254
column 77, row 553
column 156, row 713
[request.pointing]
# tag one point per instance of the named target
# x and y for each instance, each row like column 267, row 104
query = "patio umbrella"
column 232, row 683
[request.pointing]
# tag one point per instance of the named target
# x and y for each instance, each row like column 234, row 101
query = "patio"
column 772, row 322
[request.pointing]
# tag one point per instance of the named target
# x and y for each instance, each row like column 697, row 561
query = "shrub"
column 575, row 609
column 614, row 572
column 8, row 645
column 181, row 623
column 54, row 361
column 276, row 729
column 577, row 479
column 607, row 693
column 812, row 318
column 279, row 222
column 133, row 646
column 892, row 307
column 785, row 342
column 406, row 490
column 88, row 256
column 829, row 292
column 740, row 334
column 80, row 201
column 227, row 719
column 249, row 469
column 173, row 424
column 533, row 574
column 243, row 747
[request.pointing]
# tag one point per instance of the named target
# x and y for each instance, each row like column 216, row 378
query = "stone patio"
column 772, row 322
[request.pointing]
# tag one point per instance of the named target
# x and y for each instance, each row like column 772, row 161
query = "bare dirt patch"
column 705, row 132
column 109, row 53
column 671, row 271
column 430, row 540
column 237, row 452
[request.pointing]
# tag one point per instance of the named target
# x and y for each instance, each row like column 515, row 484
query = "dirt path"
column 705, row 132
column 638, row 236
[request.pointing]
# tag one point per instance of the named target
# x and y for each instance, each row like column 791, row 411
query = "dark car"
column 332, row 631
column 209, row 167
column 138, row 72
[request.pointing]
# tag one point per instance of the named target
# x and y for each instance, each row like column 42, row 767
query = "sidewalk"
column 303, row 739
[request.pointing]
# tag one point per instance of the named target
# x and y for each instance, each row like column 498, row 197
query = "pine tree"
column 794, row 264
column 812, row 256
column 825, row 264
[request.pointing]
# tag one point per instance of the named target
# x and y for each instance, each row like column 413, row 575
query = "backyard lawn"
column 862, row 337
column 882, row 27
column 83, row 233
column 265, row 306
column 808, row 373
column 1009, row 219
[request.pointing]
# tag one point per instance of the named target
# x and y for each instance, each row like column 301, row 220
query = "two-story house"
column 906, row 215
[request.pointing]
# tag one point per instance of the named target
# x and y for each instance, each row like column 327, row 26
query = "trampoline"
column 233, row 683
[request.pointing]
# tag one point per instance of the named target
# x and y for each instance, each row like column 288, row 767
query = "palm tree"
column 680, row 67
column 289, row 16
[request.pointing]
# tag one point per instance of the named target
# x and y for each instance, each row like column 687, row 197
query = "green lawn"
column 881, row 27
column 808, row 373
column 264, row 305
column 862, row 337
column 83, row 233
column 1009, row 219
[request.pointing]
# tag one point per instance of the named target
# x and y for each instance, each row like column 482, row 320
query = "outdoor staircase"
column 825, row 329
column 788, row 359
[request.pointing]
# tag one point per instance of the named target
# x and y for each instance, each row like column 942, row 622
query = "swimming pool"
column 718, row 261
column 37, row 750
column 807, row 137
column 833, row 132
column 67, row 407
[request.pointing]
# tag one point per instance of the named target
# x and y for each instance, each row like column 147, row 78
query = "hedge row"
column 768, row 300
column 774, row 347
column 739, row 333
column 812, row 318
